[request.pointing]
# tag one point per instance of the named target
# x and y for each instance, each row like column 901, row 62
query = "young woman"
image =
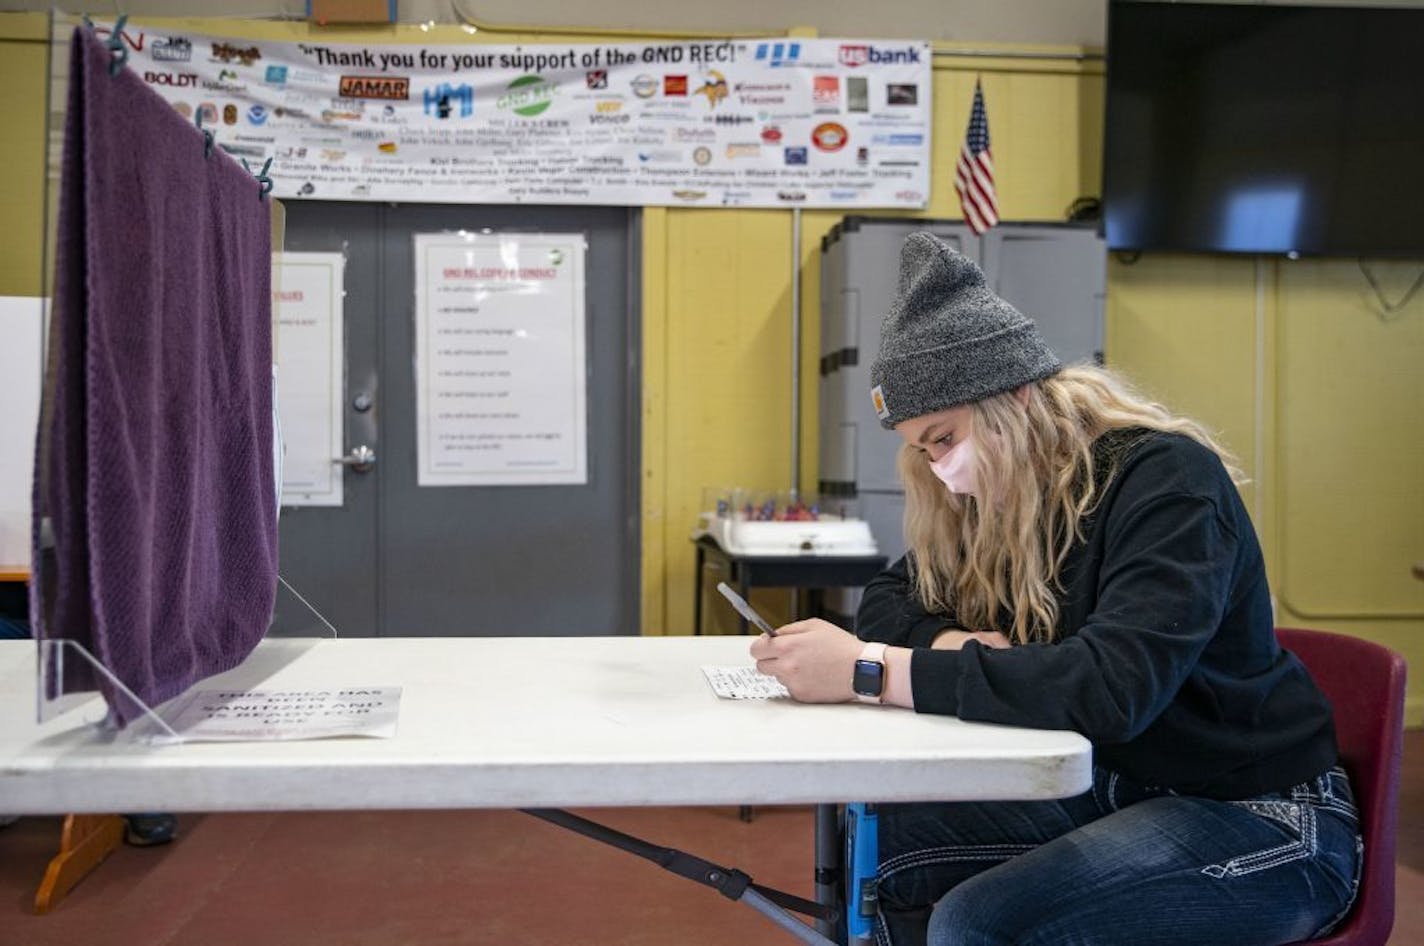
column 1080, row 559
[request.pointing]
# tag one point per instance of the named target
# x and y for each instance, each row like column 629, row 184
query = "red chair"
column 1365, row 684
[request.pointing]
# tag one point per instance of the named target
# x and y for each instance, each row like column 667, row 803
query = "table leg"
column 730, row 882
column 87, row 840
column 830, row 871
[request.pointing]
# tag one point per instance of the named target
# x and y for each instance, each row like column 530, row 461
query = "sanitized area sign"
column 280, row 715
column 500, row 365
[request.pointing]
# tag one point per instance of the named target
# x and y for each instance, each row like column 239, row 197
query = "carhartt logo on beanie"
column 948, row 339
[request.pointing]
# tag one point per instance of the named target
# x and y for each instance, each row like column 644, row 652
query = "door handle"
column 360, row 459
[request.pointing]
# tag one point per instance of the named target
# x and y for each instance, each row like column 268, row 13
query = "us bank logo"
column 778, row 54
column 527, row 96
column 858, row 55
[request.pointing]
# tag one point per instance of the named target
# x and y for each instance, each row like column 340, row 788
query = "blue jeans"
column 1121, row 863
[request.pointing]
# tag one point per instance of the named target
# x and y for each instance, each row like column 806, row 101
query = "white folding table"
column 530, row 723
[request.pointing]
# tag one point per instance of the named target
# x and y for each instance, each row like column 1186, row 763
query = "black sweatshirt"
column 1166, row 658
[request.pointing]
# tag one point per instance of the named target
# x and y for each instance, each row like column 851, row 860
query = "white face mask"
column 959, row 467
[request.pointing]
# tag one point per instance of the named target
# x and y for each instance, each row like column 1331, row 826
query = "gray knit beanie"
column 948, row 340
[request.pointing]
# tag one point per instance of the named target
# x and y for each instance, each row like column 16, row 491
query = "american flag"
column 974, row 175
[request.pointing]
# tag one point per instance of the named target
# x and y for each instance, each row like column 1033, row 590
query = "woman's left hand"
column 813, row 659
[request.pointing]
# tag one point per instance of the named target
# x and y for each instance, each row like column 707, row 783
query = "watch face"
column 869, row 678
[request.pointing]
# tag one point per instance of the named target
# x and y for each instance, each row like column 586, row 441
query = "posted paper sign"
column 309, row 305
column 22, row 325
column 744, row 683
column 279, row 715
column 501, row 380
column 834, row 123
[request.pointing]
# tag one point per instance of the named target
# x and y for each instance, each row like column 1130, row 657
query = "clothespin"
column 207, row 135
column 115, row 42
column 262, row 178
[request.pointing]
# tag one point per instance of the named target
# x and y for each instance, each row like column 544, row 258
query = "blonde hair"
column 998, row 563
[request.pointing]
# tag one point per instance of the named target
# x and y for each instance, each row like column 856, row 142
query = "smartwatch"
column 868, row 682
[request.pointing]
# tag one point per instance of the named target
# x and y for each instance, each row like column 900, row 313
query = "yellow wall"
column 22, row 109
column 1318, row 394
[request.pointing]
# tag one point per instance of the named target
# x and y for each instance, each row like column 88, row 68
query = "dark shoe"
column 148, row 830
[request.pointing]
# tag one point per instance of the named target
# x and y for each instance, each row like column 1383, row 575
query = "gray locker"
column 1054, row 273
column 884, row 512
column 864, row 255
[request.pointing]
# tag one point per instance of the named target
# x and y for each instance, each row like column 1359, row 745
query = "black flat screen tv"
column 1264, row 128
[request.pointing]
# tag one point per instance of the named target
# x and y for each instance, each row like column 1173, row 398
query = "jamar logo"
column 375, row 87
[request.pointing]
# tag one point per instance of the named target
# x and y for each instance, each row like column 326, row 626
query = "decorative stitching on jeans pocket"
column 1274, row 856
column 1287, row 813
column 948, row 855
column 1343, row 809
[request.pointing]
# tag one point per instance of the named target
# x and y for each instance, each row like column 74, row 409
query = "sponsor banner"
column 757, row 123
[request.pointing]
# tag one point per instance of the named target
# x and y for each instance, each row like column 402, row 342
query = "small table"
column 812, row 572
column 601, row 721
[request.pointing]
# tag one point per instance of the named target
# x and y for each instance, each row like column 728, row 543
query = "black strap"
column 729, row 882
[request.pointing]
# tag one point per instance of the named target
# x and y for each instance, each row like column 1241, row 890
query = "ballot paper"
column 744, row 683
column 279, row 715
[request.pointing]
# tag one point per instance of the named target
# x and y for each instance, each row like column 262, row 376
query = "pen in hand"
column 744, row 609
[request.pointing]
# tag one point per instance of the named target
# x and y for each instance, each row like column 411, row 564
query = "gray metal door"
column 402, row 560
column 328, row 555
